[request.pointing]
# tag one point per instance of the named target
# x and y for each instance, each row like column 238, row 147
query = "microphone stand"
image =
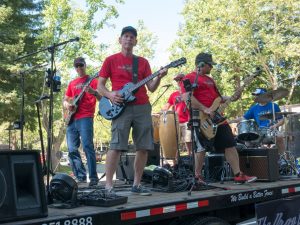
column 22, row 88
column 22, row 110
column 194, row 124
column 50, row 49
column 154, row 103
column 37, row 104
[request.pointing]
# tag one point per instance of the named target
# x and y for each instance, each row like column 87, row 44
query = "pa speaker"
column 260, row 162
column 22, row 191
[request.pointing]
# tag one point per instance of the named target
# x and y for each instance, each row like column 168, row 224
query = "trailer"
column 226, row 203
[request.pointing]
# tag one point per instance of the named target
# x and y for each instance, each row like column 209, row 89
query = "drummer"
column 176, row 102
column 262, row 108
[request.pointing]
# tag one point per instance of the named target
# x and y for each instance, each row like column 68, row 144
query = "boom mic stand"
column 194, row 123
column 50, row 49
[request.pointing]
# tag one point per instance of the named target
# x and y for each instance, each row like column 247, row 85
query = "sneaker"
column 243, row 178
column 80, row 181
column 139, row 189
column 110, row 192
column 93, row 182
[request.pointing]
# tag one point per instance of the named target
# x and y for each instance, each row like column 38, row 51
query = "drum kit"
column 248, row 131
column 250, row 135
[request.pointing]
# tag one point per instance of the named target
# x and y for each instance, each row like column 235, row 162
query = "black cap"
column 79, row 60
column 204, row 57
column 129, row 29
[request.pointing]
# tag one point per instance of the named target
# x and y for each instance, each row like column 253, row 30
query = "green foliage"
column 242, row 35
column 19, row 24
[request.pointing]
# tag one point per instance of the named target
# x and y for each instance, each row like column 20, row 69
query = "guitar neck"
column 237, row 93
column 84, row 87
column 144, row 81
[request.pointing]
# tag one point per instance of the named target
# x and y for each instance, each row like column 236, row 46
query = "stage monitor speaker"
column 260, row 162
column 125, row 170
column 22, row 191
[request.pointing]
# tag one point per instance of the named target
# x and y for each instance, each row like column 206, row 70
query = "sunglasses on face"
column 211, row 66
column 79, row 65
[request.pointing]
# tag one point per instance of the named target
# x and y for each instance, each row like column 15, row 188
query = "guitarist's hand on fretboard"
column 163, row 72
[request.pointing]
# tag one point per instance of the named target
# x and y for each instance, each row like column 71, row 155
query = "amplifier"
column 260, row 162
column 125, row 169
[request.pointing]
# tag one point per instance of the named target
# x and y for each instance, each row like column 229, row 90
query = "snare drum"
column 168, row 132
column 247, row 130
column 155, row 126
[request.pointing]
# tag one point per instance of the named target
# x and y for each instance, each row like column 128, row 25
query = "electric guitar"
column 111, row 111
column 68, row 114
column 208, row 124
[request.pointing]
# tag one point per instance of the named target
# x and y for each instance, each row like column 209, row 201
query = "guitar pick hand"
column 115, row 97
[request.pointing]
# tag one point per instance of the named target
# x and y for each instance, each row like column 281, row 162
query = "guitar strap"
column 135, row 63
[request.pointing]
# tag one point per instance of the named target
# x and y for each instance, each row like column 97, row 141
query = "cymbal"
column 269, row 116
column 272, row 95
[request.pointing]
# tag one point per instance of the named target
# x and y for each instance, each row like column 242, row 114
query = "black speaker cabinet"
column 22, row 191
column 214, row 164
column 260, row 162
column 125, row 170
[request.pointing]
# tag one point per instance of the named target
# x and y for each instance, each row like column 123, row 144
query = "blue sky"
column 161, row 17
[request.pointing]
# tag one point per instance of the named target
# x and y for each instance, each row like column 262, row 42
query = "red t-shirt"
column 118, row 68
column 176, row 101
column 206, row 91
column 86, row 106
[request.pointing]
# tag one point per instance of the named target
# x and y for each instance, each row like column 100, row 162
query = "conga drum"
column 155, row 126
column 168, row 132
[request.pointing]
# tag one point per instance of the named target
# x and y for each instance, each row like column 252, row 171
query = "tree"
column 243, row 35
column 63, row 20
column 20, row 23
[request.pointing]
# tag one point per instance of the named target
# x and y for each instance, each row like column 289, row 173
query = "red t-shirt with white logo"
column 206, row 91
column 87, row 104
column 178, row 103
column 118, row 68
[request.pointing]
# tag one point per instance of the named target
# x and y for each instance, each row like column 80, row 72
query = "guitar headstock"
column 177, row 63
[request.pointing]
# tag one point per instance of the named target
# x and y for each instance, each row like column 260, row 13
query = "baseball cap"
column 259, row 91
column 79, row 60
column 204, row 57
column 129, row 29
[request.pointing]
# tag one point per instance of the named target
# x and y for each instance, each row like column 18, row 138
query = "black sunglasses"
column 79, row 65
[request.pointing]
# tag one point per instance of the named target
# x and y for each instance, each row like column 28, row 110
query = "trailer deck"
column 161, row 205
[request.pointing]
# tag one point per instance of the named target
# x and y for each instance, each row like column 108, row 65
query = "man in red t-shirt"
column 178, row 104
column 119, row 69
column 202, row 99
column 81, row 128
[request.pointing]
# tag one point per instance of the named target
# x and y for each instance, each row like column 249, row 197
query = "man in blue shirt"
column 260, row 109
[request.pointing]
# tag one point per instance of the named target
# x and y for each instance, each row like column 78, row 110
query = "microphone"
column 74, row 39
column 167, row 85
column 201, row 64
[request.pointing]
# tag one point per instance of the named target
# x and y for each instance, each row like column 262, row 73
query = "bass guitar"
column 68, row 114
column 208, row 124
column 111, row 111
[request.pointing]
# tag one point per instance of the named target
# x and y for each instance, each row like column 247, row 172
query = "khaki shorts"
column 185, row 134
column 139, row 118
